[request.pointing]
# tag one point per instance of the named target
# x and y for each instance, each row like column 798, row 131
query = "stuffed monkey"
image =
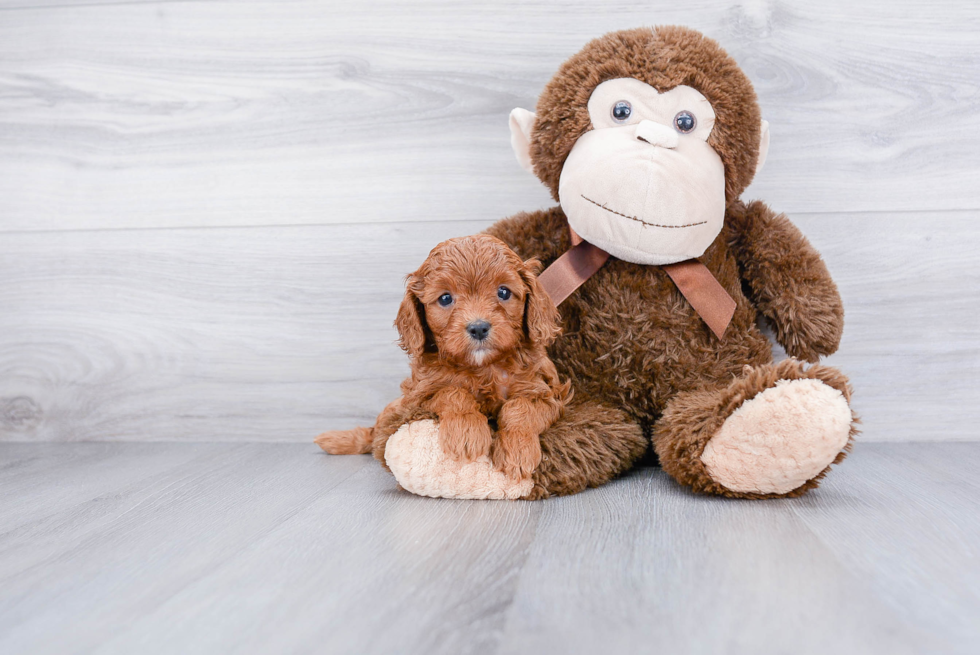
column 647, row 138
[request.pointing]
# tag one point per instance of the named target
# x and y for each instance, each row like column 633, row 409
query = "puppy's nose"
column 478, row 329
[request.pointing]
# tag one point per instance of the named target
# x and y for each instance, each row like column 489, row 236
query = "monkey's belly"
column 638, row 360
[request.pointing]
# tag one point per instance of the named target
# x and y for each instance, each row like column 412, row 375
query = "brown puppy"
column 475, row 323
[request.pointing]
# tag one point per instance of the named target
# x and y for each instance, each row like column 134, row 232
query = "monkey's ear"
column 521, row 122
column 410, row 323
column 763, row 147
column 540, row 314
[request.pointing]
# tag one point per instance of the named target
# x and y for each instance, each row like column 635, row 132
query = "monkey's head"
column 645, row 137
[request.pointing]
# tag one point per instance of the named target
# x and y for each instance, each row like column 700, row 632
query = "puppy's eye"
column 684, row 122
column 445, row 299
column 621, row 111
column 503, row 293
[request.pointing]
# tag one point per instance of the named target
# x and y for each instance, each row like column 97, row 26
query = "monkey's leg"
column 588, row 446
column 774, row 432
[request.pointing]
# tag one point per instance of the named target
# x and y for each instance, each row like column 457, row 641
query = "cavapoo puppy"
column 475, row 323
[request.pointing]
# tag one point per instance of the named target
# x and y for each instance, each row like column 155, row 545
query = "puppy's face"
column 475, row 307
column 474, row 301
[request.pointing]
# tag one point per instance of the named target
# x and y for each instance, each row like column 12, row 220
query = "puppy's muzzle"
column 478, row 330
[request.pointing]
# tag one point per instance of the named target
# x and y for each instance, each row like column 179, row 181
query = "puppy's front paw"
column 516, row 455
column 465, row 437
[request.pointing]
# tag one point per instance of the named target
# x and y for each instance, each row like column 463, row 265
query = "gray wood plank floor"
column 261, row 548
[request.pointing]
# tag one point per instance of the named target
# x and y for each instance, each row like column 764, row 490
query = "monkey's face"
column 644, row 184
column 643, row 174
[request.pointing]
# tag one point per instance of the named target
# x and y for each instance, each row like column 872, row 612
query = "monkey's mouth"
column 639, row 220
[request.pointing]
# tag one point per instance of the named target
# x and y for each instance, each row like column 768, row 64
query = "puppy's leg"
column 517, row 449
column 359, row 440
column 463, row 430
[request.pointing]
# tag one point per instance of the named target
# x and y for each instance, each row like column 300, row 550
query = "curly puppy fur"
column 475, row 323
column 630, row 339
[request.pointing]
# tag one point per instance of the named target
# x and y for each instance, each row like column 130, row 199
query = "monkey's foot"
column 779, row 439
column 420, row 466
column 773, row 432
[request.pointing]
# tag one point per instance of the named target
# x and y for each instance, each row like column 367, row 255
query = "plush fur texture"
column 630, row 339
column 782, row 437
column 692, row 419
column 664, row 58
column 641, row 361
column 589, row 446
column 475, row 323
column 788, row 281
column 415, row 457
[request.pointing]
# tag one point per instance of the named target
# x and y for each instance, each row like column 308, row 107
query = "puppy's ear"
column 410, row 322
column 540, row 314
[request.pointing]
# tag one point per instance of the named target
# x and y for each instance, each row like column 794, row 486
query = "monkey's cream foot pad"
column 779, row 439
column 416, row 459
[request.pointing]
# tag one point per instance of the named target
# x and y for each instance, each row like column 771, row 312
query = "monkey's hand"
column 787, row 280
column 809, row 323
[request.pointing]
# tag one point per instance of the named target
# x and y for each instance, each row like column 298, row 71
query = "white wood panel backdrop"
column 206, row 208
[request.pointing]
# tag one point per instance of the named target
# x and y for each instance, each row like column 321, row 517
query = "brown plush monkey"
column 647, row 138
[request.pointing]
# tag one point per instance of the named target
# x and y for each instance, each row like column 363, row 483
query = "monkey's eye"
column 621, row 111
column 503, row 293
column 684, row 122
column 445, row 299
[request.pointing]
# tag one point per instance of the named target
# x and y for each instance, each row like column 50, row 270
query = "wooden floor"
column 276, row 548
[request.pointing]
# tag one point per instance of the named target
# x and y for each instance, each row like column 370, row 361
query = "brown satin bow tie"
column 693, row 279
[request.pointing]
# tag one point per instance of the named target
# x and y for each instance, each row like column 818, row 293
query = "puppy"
column 475, row 323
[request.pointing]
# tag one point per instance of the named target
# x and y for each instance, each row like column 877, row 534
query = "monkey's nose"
column 478, row 330
column 656, row 134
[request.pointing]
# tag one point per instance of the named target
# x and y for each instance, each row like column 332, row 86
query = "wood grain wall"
column 206, row 208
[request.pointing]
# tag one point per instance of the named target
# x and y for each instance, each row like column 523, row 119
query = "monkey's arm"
column 542, row 234
column 787, row 280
